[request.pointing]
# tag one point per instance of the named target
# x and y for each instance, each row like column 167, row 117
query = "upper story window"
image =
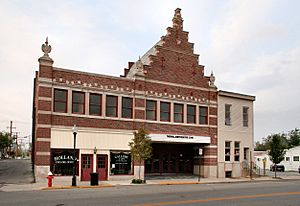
column 227, row 114
column 165, row 111
column 191, row 114
column 178, row 112
column 95, row 104
column 227, row 151
column 203, row 115
column 296, row 158
column 111, row 106
column 60, row 100
column 150, row 110
column 127, row 107
column 77, row 102
column 245, row 116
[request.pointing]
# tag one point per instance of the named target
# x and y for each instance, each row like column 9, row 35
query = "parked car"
column 278, row 168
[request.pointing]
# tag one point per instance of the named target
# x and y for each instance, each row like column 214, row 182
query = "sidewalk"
column 65, row 183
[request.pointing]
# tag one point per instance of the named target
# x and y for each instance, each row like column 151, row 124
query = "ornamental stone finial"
column 177, row 20
column 212, row 79
column 46, row 48
column 45, row 59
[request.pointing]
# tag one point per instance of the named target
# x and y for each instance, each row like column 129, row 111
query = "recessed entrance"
column 171, row 159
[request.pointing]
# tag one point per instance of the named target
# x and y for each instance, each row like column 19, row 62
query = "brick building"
column 165, row 92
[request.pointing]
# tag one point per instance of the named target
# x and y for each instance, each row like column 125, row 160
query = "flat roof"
column 236, row 95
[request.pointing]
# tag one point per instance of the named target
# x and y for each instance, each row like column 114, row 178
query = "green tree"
column 294, row 138
column 5, row 142
column 140, row 147
column 265, row 145
column 277, row 150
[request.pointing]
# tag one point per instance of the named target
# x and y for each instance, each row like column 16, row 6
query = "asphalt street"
column 285, row 193
column 15, row 171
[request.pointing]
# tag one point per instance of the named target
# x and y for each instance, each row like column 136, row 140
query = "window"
column 178, row 112
column 227, row 114
column 164, row 111
column 287, row 159
column 246, row 153
column 78, row 102
column 120, row 163
column 127, row 107
column 296, row 158
column 60, row 100
column 191, row 114
column 150, row 110
column 111, row 106
column 236, row 151
column 203, row 115
column 245, row 116
column 95, row 104
column 227, row 151
column 101, row 160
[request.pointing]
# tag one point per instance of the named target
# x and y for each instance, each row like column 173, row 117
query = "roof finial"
column 212, row 80
column 46, row 48
column 177, row 20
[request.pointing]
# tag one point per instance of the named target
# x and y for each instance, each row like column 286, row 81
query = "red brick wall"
column 139, row 102
column 43, row 132
column 45, row 71
column 139, row 114
column 42, row 160
column 44, row 105
column 43, row 146
column 45, row 92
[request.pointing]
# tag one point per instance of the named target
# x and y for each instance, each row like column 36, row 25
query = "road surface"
column 283, row 193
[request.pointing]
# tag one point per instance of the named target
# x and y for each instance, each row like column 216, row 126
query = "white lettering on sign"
column 179, row 138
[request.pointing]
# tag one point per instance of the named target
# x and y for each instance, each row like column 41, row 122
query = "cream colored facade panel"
column 235, row 132
column 102, row 140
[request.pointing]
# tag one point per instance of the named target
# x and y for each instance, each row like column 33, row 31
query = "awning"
column 175, row 138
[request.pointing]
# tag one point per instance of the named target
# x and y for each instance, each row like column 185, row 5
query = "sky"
column 252, row 46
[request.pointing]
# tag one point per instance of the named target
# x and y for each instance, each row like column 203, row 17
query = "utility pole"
column 17, row 145
column 10, row 133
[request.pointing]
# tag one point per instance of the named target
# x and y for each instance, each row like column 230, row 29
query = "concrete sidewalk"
column 65, row 183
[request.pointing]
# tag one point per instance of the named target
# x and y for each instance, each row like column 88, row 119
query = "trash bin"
column 94, row 178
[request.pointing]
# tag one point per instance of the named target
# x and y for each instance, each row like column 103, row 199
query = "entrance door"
column 102, row 166
column 86, row 166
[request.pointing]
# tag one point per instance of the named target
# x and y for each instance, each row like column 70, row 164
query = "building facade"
column 291, row 161
column 165, row 92
column 235, row 133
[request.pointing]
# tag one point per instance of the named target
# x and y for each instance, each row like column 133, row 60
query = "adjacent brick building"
column 165, row 92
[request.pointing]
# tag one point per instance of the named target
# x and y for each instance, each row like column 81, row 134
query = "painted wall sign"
column 179, row 138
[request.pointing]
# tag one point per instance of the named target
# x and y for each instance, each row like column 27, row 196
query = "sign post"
column 200, row 153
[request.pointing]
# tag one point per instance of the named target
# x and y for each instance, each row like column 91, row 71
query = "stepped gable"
column 172, row 59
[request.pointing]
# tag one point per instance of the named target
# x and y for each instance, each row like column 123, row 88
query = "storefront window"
column 62, row 162
column 120, row 163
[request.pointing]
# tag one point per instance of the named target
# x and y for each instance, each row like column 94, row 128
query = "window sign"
column 120, row 163
column 63, row 162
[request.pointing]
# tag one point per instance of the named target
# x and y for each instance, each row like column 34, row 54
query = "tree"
column 294, row 138
column 265, row 145
column 5, row 142
column 277, row 150
column 140, row 147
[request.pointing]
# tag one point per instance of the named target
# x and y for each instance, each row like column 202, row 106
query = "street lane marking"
column 220, row 198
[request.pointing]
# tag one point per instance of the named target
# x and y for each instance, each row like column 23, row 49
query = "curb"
column 180, row 183
column 75, row 187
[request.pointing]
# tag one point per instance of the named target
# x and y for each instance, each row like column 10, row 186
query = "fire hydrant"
column 50, row 178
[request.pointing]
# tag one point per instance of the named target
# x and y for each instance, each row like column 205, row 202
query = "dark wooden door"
column 102, row 166
column 86, row 166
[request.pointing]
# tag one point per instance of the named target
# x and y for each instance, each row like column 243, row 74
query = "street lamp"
column 74, row 130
